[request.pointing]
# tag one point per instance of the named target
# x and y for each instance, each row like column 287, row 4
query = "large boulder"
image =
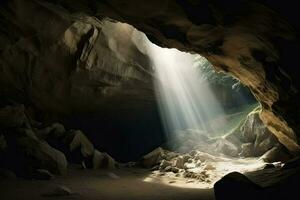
column 55, row 131
column 40, row 155
column 81, row 141
column 151, row 159
column 225, row 147
column 236, row 186
column 252, row 137
column 247, row 150
column 103, row 161
column 277, row 153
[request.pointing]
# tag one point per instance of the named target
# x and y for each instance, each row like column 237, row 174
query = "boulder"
column 264, row 142
column 55, row 130
column 40, row 155
column 276, row 154
column 168, row 169
column 103, row 160
column 165, row 165
column 247, row 150
column 252, row 126
column 81, row 141
column 175, row 170
column 186, row 157
column 236, row 186
column 179, row 163
column 252, row 138
column 152, row 158
column 226, row 147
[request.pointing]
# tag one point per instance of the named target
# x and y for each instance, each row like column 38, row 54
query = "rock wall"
column 59, row 69
column 85, row 72
column 52, row 43
column 246, row 39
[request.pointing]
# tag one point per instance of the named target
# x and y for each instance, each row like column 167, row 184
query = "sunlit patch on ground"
column 204, row 175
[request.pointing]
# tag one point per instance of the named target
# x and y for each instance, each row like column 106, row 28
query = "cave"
column 166, row 99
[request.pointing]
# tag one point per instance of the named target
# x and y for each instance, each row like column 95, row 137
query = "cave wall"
column 81, row 71
column 244, row 38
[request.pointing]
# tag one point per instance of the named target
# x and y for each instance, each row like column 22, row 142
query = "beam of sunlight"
column 195, row 112
column 185, row 98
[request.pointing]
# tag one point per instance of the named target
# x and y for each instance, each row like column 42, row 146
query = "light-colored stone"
column 247, row 150
column 82, row 142
column 179, row 162
column 152, row 158
column 103, row 161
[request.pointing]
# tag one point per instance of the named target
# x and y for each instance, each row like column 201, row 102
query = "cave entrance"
column 194, row 99
column 197, row 104
column 211, row 121
column 171, row 111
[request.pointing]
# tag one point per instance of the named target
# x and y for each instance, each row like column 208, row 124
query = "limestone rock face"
column 78, row 66
column 252, row 138
column 49, row 57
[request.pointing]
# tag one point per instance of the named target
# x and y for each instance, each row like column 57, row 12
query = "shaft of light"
column 185, row 99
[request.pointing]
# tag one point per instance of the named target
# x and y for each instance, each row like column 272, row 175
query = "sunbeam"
column 185, row 98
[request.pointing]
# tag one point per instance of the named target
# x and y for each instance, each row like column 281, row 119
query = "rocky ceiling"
column 48, row 54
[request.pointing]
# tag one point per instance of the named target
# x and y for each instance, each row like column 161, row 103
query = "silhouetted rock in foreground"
column 236, row 186
column 265, row 184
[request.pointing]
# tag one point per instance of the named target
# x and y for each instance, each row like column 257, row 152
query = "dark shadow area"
column 127, row 184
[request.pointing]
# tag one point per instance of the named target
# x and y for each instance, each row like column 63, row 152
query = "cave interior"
column 168, row 99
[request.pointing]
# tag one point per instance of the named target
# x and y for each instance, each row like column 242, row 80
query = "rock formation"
column 26, row 151
column 49, row 57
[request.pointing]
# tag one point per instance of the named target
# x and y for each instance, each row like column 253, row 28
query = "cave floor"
column 124, row 183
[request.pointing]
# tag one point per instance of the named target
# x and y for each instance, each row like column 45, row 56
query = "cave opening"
column 205, row 115
column 194, row 112
column 189, row 103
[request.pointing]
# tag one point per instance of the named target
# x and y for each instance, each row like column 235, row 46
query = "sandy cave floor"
column 133, row 183
column 125, row 183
